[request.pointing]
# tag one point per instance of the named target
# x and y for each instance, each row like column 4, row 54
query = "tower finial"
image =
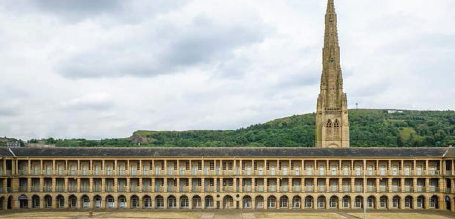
column 330, row 6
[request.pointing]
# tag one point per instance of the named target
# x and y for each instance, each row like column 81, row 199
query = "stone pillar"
column 390, row 185
column 153, row 185
column 13, row 167
column 427, row 202
column 53, row 167
column 315, row 188
column 91, row 185
column 253, row 184
column 352, row 184
column 427, row 184
column 29, row 184
column 115, row 186
column 390, row 168
column 327, row 185
column 277, row 183
column 378, row 185
column 202, row 185
column 441, row 186
column 128, row 181
column 78, row 185
column 235, row 185
column 402, row 168
column 41, row 184
column 266, row 185
column 442, row 202
column 402, row 184
column 103, row 185
column 165, row 184
column 66, row 186
column 426, row 168
column 215, row 184
column 414, row 186
column 190, row 184
column 54, row 185
column 340, row 185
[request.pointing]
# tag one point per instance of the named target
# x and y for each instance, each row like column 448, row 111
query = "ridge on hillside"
column 369, row 128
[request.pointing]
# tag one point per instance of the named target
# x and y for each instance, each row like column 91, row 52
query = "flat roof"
column 230, row 152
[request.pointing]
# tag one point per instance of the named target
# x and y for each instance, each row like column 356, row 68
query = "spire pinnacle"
column 332, row 126
column 330, row 7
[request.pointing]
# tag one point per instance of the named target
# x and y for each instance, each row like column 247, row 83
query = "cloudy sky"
column 105, row 68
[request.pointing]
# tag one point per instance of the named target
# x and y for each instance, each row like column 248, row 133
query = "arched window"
column 329, row 124
column 336, row 126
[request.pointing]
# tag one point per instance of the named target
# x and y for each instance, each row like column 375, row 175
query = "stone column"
column 103, row 185
column 414, row 185
column 41, row 184
column 66, row 186
column 29, row 184
column 340, row 185
column 78, row 185
column 352, row 185
column 115, row 186
column 202, row 185
column 91, row 185
column 128, row 181
column 327, row 185
column 253, row 184
column 165, row 184
column 315, row 188
column 427, row 184
column 390, row 185
column 426, row 168
column 153, row 185
column 442, row 202
column 54, row 185
column 266, row 185
column 277, row 183
column 190, row 184
column 402, row 180
column 141, row 185
column 378, row 185
column 441, row 186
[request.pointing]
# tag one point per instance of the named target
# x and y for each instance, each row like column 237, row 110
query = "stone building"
column 222, row 178
column 329, row 176
column 332, row 125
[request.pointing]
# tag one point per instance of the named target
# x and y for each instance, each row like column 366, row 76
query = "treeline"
column 368, row 128
column 80, row 142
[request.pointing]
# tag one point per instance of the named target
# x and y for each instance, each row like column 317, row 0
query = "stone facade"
column 227, row 182
column 332, row 125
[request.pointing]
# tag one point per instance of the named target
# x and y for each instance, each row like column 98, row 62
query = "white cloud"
column 108, row 68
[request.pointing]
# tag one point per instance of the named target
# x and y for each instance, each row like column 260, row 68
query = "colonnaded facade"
column 329, row 176
column 223, row 178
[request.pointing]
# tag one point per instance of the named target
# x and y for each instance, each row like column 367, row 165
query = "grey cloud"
column 7, row 111
column 77, row 7
column 165, row 50
column 112, row 11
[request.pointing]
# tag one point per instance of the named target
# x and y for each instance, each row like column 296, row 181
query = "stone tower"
column 332, row 126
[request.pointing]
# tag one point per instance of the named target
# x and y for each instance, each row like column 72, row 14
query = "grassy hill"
column 368, row 128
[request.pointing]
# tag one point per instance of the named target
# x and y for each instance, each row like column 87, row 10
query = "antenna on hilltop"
column 356, row 105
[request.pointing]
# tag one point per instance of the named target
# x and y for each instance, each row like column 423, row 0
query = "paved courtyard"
column 225, row 214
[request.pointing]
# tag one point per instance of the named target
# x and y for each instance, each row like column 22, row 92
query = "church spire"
column 332, row 126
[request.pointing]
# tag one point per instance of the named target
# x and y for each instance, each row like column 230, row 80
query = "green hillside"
column 368, row 128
